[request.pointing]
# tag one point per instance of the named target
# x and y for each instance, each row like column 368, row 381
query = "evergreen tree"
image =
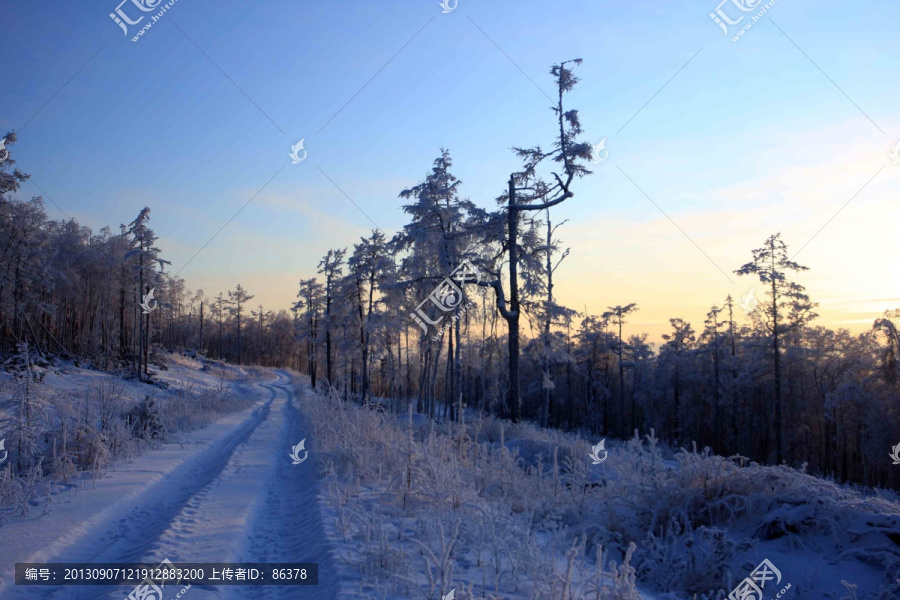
column 787, row 309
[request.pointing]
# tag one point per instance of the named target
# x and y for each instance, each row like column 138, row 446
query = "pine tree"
column 616, row 315
column 787, row 309
column 146, row 259
column 553, row 312
column 332, row 266
column 311, row 292
column 711, row 336
column 236, row 301
column 433, row 244
column 369, row 265
column 527, row 191
column 678, row 343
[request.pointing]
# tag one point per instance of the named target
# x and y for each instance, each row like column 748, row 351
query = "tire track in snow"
column 166, row 507
column 287, row 523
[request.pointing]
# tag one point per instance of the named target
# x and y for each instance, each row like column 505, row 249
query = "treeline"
column 105, row 297
column 767, row 385
column 385, row 319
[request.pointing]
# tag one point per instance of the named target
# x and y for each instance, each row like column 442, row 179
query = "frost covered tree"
column 261, row 317
column 237, row 298
column 592, row 351
column 616, row 316
column 675, row 352
column 217, row 310
column 332, row 267
column 553, row 313
column 429, row 248
column 528, row 191
column 311, row 296
column 368, row 266
column 788, row 308
column 145, row 259
column 10, row 179
column 711, row 337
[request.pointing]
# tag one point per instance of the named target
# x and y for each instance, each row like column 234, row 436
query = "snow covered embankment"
column 496, row 510
column 419, row 510
column 222, row 493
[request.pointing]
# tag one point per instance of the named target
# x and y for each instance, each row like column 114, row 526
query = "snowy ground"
column 395, row 507
column 225, row 493
column 499, row 510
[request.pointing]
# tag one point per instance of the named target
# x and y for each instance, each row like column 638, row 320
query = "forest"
column 768, row 384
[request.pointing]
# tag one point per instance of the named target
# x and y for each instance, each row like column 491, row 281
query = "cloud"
column 795, row 187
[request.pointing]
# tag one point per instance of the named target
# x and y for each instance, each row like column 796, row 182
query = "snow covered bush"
column 145, row 420
column 421, row 508
column 78, row 420
column 494, row 509
column 190, row 407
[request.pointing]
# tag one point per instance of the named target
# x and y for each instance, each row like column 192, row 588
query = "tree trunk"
column 140, row 372
column 778, row 433
column 123, row 337
column 147, row 343
column 328, row 350
column 451, row 375
column 716, row 414
column 545, row 408
column 621, row 418
column 513, row 399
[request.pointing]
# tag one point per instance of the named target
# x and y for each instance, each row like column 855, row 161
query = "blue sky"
column 748, row 138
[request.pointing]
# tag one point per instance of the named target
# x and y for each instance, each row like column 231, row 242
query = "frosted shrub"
column 221, row 370
column 26, row 414
column 614, row 583
column 104, row 403
column 398, row 485
column 691, row 561
column 423, row 507
column 191, row 407
column 145, row 420
column 90, row 448
column 22, row 493
column 52, row 433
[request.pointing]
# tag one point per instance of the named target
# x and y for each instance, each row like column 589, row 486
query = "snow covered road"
column 227, row 493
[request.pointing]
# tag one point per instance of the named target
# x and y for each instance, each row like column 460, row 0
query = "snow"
column 225, row 493
column 494, row 509
column 402, row 507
